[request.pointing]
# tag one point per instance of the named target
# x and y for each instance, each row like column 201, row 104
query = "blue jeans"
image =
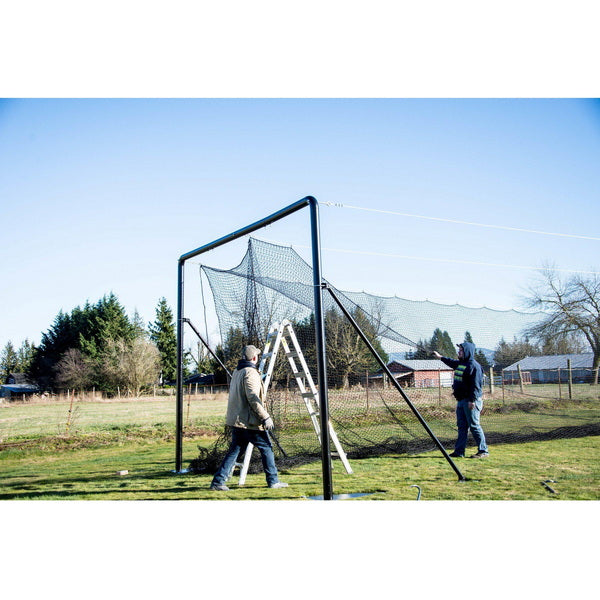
column 240, row 438
column 469, row 419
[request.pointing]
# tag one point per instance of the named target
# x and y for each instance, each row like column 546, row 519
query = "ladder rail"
column 298, row 354
column 310, row 395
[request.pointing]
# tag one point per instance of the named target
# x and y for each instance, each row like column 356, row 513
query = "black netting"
column 369, row 415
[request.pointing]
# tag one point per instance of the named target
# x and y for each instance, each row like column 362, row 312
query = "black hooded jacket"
column 468, row 374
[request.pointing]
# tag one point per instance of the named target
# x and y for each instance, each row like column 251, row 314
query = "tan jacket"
column 245, row 407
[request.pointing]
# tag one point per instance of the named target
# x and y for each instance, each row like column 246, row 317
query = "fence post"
column 367, row 388
column 439, row 387
column 559, row 386
column 502, row 373
column 570, row 370
column 520, row 378
column 491, row 380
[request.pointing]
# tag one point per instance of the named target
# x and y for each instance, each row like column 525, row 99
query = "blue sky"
column 105, row 195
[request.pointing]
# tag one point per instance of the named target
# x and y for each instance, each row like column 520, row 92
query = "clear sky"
column 105, row 195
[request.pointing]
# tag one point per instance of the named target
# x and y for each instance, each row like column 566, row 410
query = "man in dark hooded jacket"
column 467, row 389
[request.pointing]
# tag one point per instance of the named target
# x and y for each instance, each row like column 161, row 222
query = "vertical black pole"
column 321, row 354
column 179, row 398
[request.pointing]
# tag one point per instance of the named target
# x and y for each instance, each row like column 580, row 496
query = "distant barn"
column 546, row 369
column 416, row 373
column 18, row 385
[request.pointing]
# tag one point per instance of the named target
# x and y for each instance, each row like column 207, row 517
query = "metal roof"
column 558, row 361
column 19, row 388
column 423, row 365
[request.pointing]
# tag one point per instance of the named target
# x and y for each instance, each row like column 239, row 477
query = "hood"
column 468, row 350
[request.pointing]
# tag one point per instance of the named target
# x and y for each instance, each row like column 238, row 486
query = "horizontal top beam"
column 284, row 212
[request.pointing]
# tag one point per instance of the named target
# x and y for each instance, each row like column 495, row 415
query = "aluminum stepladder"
column 281, row 335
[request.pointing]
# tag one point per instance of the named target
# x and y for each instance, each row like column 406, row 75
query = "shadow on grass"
column 81, row 494
column 115, row 483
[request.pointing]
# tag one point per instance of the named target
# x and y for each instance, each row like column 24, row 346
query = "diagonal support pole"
column 461, row 477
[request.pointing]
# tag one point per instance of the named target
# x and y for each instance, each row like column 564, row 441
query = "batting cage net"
column 273, row 285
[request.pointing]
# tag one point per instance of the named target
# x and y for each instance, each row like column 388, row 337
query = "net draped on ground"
column 370, row 417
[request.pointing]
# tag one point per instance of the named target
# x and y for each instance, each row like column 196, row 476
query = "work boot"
column 480, row 454
column 279, row 484
column 219, row 488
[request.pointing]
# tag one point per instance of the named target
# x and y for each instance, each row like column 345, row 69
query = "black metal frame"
column 319, row 329
column 393, row 380
column 205, row 343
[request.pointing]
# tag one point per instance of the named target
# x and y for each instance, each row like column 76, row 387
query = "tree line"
column 441, row 342
column 348, row 358
column 98, row 346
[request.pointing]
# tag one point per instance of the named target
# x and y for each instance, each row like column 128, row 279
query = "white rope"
column 444, row 260
column 399, row 214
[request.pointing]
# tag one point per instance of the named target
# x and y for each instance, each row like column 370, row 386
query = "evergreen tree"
column 229, row 352
column 107, row 320
column 437, row 342
column 421, row 352
column 163, row 334
column 139, row 328
column 8, row 361
column 481, row 358
column 508, row 353
column 88, row 330
column 25, row 356
column 448, row 346
column 440, row 342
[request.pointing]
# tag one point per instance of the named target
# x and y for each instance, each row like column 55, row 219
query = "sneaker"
column 456, row 455
column 219, row 488
column 279, row 484
column 480, row 454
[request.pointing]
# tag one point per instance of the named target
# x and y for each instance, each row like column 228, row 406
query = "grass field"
column 512, row 472
column 38, row 461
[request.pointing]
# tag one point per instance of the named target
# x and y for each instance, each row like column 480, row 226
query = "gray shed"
column 546, row 369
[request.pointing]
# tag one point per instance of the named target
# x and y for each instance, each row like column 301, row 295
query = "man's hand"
column 471, row 405
column 437, row 354
column 268, row 424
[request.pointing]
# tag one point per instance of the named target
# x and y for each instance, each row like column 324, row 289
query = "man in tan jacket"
column 249, row 421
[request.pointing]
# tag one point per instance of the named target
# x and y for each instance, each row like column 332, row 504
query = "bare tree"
column 572, row 307
column 142, row 364
column 73, row 371
column 133, row 364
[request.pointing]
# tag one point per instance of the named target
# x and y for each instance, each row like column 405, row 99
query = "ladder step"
column 277, row 340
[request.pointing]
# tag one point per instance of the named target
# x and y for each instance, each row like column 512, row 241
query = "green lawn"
column 512, row 472
column 23, row 420
column 39, row 461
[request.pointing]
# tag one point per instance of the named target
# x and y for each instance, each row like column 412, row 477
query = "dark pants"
column 240, row 438
column 466, row 419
